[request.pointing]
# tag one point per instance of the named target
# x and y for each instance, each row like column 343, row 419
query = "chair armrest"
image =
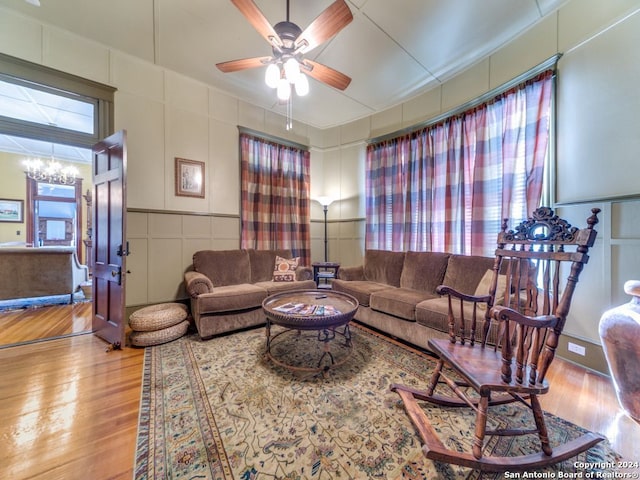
column 445, row 290
column 196, row 284
column 351, row 273
column 304, row 273
column 501, row 314
column 80, row 272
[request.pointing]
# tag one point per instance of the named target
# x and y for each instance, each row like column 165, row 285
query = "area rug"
column 218, row 409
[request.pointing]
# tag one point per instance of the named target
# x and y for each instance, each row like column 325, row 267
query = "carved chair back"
column 536, row 269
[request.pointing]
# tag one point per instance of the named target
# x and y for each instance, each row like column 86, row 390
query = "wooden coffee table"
column 322, row 311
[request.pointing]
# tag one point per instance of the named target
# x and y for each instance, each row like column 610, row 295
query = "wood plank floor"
column 33, row 324
column 69, row 409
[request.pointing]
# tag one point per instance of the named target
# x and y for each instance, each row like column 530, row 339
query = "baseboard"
column 593, row 358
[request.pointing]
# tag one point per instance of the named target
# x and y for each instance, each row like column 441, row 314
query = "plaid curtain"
column 275, row 197
column 448, row 186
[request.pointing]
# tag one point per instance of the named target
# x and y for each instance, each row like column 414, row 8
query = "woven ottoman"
column 158, row 324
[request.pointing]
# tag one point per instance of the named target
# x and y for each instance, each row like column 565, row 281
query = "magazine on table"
column 307, row 309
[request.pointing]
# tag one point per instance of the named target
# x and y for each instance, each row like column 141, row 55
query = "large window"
column 448, row 186
column 275, row 196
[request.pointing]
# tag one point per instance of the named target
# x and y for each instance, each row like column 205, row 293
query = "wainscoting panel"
column 613, row 260
column 162, row 246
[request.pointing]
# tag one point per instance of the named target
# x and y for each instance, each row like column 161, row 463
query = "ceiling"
column 392, row 50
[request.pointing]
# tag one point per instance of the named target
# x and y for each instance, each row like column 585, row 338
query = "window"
column 26, row 102
column 56, row 215
column 448, row 186
column 275, row 196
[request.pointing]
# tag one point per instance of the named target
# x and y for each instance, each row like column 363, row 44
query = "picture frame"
column 11, row 211
column 189, row 178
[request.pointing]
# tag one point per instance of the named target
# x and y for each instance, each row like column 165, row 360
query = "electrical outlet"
column 578, row 349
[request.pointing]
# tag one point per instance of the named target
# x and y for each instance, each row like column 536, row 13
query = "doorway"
column 49, row 117
column 55, row 215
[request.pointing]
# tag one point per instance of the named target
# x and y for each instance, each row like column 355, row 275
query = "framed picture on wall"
column 189, row 178
column 11, row 210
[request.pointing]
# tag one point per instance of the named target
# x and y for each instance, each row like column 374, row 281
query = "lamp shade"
column 292, row 70
column 272, row 75
column 324, row 200
column 284, row 89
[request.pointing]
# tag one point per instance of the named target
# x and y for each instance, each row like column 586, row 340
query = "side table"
column 323, row 272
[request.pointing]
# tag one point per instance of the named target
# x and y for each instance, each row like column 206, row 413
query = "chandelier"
column 50, row 171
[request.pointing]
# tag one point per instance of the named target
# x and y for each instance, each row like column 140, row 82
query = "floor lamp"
column 325, row 202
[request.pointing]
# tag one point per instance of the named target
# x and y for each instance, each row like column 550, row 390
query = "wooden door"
column 109, row 238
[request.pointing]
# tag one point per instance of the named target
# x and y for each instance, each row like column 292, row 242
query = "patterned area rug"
column 219, row 410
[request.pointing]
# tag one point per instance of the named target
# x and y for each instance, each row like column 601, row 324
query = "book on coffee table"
column 307, row 309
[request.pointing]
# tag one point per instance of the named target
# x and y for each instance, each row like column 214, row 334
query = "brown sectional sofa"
column 397, row 290
column 227, row 287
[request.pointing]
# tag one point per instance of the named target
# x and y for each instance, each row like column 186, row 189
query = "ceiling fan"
column 289, row 43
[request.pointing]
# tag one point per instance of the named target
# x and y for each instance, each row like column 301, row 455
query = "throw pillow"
column 485, row 284
column 285, row 270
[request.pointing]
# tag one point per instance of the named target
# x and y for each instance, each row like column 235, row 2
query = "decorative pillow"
column 485, row 284
column 285, row 270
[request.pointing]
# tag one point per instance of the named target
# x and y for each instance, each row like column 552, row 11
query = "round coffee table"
column 316, row 310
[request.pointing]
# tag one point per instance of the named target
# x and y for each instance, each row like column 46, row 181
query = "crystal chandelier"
column 50, row 171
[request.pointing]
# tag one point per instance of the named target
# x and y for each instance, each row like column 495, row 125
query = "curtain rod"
column 550, row 62
column 272, row 138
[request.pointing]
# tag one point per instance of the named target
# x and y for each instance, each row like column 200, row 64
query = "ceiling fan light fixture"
column 272, row 75
column 302, row 85
column 292, row 70
column 284, row 89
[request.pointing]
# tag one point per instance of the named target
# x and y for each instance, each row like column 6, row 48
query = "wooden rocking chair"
column 527, row 324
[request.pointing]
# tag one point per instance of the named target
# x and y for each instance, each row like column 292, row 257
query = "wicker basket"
column 147, row 339
column 158, row 317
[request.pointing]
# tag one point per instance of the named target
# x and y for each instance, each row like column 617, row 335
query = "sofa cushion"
column 361, row 290
column 262, row 262
column 385, row 267
column 434, row 314
column 231, row 297
column 424, row 270
column 399, row 302
column 485, row 284
column 276, row 287
column 285, row 269
column 464, row 272
column 224, row 267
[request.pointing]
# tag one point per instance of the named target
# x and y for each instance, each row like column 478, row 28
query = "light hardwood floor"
column 69, row 409
column 36, row 324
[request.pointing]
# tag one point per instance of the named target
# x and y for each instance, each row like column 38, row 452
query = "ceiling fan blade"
column 326, row 25
column 243, row 64
column 257, row 19
column 326, row 74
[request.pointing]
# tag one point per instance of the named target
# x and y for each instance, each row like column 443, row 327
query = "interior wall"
column 597, row 145
column 597, row 141
column 169, row 115
column 13, row 186
column 166, row 115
